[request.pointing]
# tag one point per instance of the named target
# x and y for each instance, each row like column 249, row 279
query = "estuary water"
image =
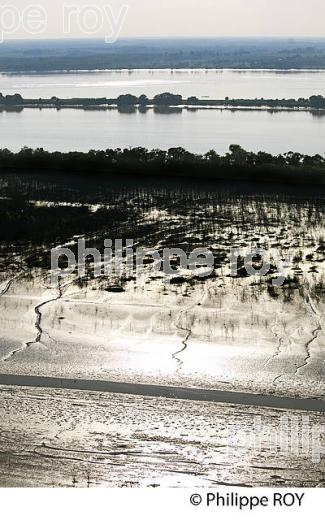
column 198, row 131
column 202, row 83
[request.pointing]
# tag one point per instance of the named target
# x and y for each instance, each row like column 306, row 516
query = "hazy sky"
column 163, row 18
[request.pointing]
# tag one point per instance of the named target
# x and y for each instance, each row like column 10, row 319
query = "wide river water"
column 197, row 131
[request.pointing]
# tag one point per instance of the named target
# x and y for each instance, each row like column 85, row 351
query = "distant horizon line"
column 167, row 38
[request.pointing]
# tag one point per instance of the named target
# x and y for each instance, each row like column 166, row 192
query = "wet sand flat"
column 79, row 439
column 130, row 381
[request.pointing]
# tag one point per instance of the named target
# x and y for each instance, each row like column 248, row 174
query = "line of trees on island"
column 166, row 99
column 237, row 164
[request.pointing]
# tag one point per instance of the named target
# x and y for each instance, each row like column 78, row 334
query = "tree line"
column 237, row 164
column 157, row 53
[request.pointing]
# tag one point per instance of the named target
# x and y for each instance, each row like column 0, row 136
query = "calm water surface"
column 203, row 83
column 197, row 131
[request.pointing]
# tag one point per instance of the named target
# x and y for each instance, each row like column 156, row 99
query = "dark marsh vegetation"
column 41, row 212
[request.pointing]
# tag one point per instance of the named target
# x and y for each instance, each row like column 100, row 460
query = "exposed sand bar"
column 189, row 394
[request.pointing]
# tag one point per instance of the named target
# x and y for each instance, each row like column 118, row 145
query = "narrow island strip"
column 162, row 101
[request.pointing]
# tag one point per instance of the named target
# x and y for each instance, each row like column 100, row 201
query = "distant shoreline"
column 223, row 53
column 160, row 69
